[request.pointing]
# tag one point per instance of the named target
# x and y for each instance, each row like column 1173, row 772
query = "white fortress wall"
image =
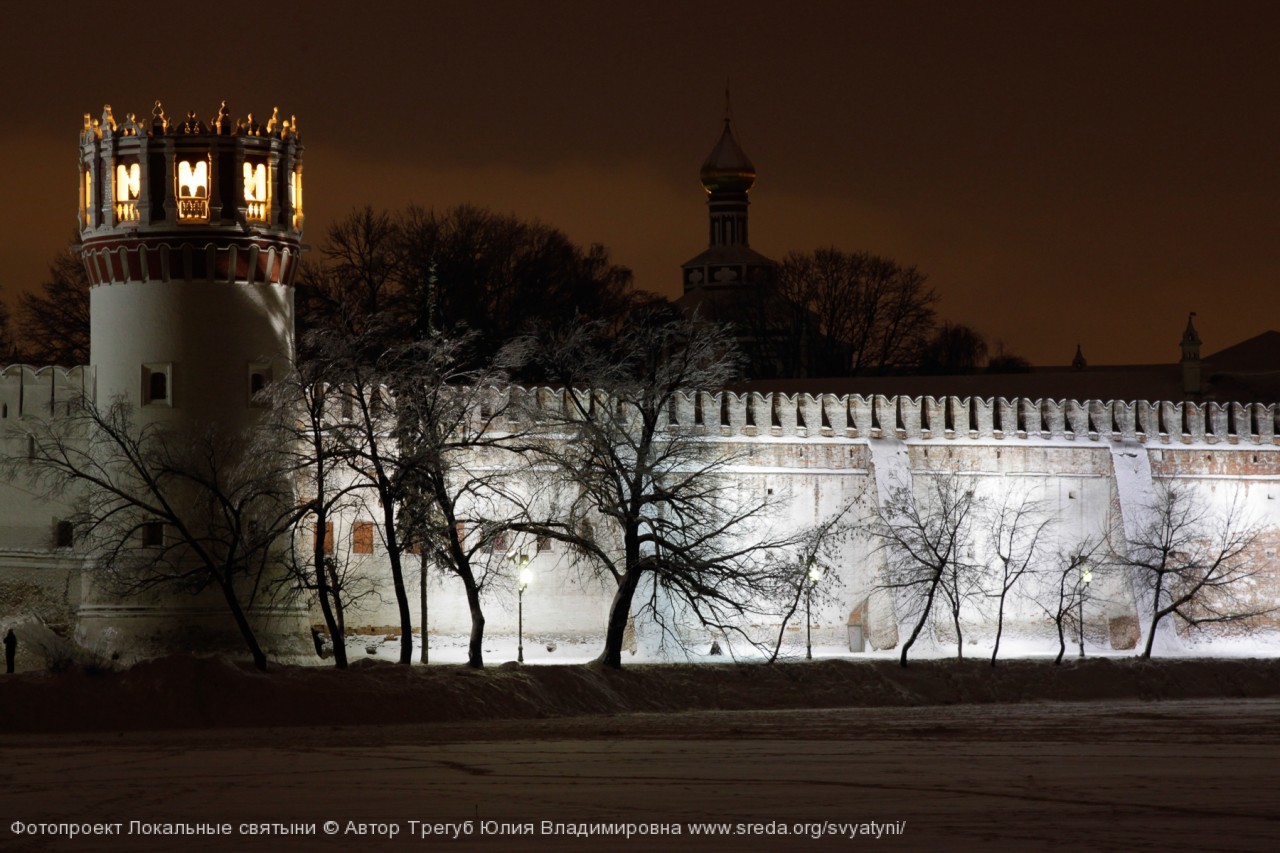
column 815, row 453
column 1084, row 460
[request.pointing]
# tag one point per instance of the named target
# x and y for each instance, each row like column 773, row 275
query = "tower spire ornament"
column 727, row 176
column 1190, row 362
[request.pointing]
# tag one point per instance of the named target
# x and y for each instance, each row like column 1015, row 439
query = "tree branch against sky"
column 652, row 508
column 52, row 325
column 864, row 313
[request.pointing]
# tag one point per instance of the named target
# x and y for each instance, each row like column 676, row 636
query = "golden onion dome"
column 727, row 168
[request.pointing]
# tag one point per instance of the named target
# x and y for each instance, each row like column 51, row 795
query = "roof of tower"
column 1190, row 335
column 727, row 167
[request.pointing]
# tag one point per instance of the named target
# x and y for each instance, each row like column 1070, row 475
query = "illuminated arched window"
column 128, row 188
column 88, row 198
column 193, row 190
column 255, row 191
column 295, row 186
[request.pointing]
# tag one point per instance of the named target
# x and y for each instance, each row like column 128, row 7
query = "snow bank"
column 205, row 692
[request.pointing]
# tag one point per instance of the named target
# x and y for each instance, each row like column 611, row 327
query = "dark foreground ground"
column 940, row 753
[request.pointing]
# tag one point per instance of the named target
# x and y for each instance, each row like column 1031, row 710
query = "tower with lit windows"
column 191, row 235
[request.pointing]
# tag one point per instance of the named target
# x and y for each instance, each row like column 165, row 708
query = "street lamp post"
column 1086, row 578
column 812, row 578
column 522, row 562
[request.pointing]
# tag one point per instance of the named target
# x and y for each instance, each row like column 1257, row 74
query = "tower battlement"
column 190, row 200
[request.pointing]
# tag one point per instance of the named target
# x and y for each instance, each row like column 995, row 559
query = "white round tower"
column 191, row 235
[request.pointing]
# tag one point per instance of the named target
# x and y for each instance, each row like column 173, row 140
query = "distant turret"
column 1191, row 358
column 727, row 176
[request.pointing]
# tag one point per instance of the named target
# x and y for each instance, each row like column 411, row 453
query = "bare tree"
column 53, row 325
column 954, row 348
column 364, row 373
column 309, row 431
column 468, row 267
column 650, row 503
column 926, row 541
column 1016, row 528
column 810, row 568
column 8, row 348
column 1192, row 561
column 1065, row 586
column 163, row 509
column 859, row 313
column 462, row 268
column 457, row 447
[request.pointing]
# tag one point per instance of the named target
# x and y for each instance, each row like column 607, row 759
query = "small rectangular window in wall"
column 157, row 385
column 362, row 538
column 259, row 378
column 544, row 543
column 152, row 534
column 63, row 534
column 328, row 537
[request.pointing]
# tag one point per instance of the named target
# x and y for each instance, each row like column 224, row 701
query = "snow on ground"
column 500, row 648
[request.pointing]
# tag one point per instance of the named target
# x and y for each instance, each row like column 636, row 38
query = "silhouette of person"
column 10, row 649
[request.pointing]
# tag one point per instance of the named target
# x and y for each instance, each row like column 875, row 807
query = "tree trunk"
column 924, row 617
column 955, row 618
column 782, row 629
column 340, row 624
column 422, row 604
column 335, row 633
column 1156, row 615
column 397, row 583
column 1062, row 640
column 475, row 649
column 999, row 628
column 325, row 593
column 242, row 622
column 618, row 613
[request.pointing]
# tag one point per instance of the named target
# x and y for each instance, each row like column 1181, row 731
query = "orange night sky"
column 1082, row 172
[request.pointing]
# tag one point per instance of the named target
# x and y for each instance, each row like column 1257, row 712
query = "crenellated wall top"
column 780, row 415
column 41, row 391
column 753, row 414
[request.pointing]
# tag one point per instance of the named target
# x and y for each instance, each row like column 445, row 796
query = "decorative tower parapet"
column 190, row 200
column 191, row 233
